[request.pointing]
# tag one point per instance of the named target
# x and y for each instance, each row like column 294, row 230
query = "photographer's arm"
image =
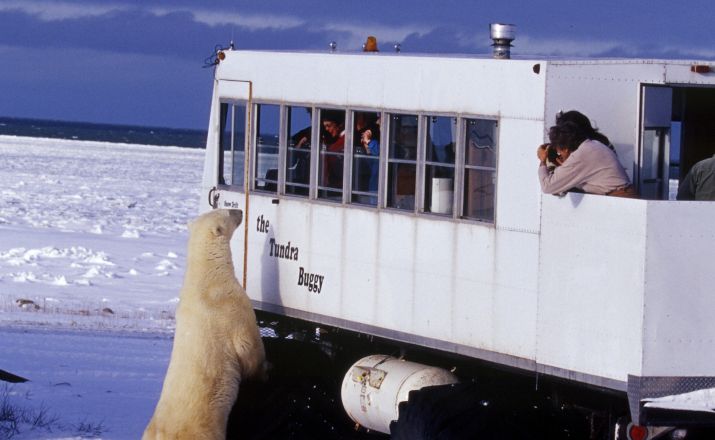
column 562, row 178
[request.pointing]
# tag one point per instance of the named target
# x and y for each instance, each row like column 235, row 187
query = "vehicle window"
column 267, row 126
column 480, row 169
column 298, row 154
column 402, row 161
column 366, row 157
column 332, row 144
column 439, row 164
column 232, row 139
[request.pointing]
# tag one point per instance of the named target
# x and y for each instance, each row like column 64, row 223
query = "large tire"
column 463, row 411
column 447, row 412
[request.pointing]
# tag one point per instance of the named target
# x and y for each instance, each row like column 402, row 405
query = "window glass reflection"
column 439, row 164
column 480, row 173
column 232, row 139
column 298, row 154
column 402, row 161
column 267, row 125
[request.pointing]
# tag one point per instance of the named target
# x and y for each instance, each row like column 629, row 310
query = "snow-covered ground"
column 92, row 251
column 89, row 384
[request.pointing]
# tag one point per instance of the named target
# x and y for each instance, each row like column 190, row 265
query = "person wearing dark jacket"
column 699, row 183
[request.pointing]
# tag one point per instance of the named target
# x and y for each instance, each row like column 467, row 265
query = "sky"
column 141, row 62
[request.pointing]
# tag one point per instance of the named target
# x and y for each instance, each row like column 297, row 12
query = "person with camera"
column 580, row 162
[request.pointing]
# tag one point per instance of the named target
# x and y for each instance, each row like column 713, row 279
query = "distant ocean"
column 102, row 132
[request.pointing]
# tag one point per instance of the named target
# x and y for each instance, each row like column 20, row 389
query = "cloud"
column 564, row 47
column 59, row 11
column 189, row 31
column 252, row 22
column 544, row 46
column 593, row 47
column 355, row 34
column 351, row 34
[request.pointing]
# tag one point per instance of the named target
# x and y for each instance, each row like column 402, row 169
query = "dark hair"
column 336, row 116
column 574, row 116
column 567, row 135
column 584, row 123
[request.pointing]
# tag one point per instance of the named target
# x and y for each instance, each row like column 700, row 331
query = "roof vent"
column 502, row 35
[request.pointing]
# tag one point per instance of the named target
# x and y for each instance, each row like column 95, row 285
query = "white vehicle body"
column 613, row 292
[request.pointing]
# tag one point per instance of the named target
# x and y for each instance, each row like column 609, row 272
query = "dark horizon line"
column 98, row 124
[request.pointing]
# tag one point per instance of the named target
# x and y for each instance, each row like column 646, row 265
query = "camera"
column 551, row 154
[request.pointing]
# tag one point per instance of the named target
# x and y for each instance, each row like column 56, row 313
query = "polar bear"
column 217, row 342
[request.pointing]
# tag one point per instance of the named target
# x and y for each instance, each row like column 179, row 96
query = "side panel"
column 680, row 290
column 591, row 275
column 518, row 197
column 458, row 283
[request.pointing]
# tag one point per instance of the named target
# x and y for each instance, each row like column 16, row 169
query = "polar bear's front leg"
column 251, row 355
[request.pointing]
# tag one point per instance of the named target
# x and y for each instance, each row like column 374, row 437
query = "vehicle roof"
column 487, row 56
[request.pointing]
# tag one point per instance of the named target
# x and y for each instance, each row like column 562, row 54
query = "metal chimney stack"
column 502, row 35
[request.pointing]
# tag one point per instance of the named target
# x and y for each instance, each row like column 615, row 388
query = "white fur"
column 217, row 342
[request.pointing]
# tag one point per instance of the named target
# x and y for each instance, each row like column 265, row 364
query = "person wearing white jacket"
column 581, row 164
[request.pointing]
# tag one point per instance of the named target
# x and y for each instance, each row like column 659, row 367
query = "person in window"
column 367, row 131
column 699, row 183
column 370, row 140
column 366, row 148
column 333, row 141
column 302, row 138
column 362, row 123
column 583, row 163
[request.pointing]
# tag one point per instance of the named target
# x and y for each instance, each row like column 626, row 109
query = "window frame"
column 421, row 163
column 283, row 149
column 254, row 145
column 318, row 114
column 459, row 203
column 230, row 125
column 385, row 168
column 425, row 163
column 350, row 143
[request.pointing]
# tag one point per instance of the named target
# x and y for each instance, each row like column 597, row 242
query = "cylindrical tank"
column 374, row 386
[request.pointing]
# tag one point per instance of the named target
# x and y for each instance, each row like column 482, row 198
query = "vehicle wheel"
column 456, row 411
column 466, row 411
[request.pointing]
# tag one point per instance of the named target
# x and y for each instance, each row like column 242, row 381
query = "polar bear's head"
column 218, row 224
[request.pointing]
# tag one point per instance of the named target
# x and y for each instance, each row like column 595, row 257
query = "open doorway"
column 677, row 131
